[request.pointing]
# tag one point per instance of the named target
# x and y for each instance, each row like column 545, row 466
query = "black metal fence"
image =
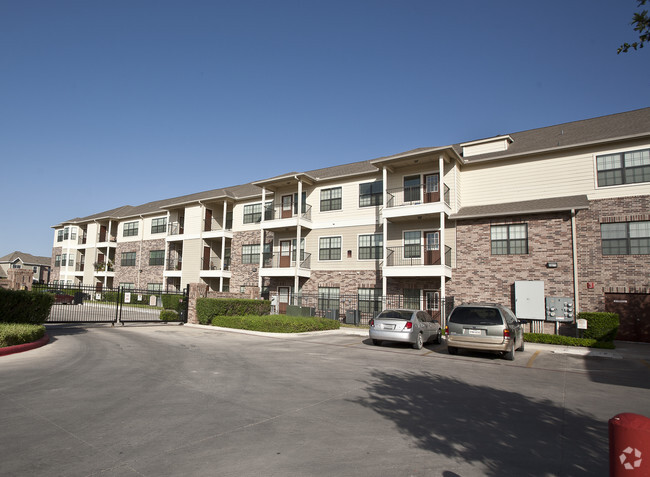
column 353, row 309
column 89, row 304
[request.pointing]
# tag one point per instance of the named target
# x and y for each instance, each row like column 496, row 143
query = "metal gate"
column 86, row 304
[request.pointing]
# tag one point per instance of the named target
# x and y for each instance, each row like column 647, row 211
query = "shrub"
column 276, row 323
column 208, row 308
column 172, row 302
column 21, row 306
column 566, row 341
column 600, row 326
column 168, row 315
column 12, row 334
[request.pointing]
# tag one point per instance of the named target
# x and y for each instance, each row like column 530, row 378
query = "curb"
column 25, row 347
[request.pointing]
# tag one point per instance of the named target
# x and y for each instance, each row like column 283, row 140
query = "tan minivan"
column 484, row 327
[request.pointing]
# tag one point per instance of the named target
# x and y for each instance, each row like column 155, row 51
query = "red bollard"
column 629, row 445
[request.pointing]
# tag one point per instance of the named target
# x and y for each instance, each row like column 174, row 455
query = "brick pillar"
column 197, row 290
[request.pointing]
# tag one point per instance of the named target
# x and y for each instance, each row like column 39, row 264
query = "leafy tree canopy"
column 641, row 22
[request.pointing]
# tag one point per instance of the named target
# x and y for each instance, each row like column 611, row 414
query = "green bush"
column 12, row 334
column 21, row 306
column 600, row 326
column 567, row 341
column 168, row 315
column 208, row 308
column 276, row 323
column 172, row 302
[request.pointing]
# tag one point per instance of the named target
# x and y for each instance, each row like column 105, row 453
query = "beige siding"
column 192, row 254
column 349, row 241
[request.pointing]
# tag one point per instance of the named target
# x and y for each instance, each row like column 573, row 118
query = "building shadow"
column 502, row 432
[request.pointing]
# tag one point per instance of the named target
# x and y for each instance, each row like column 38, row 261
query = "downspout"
column 223, row 243
column 384, row 280
column 140, row 253
column 261, row 264
column 574, row 249
column 296, row 278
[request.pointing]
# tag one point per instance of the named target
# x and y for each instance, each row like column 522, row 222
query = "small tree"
column 641, row 22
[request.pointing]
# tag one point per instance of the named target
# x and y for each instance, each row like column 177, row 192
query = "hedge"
column 168, row 315
column 12, row 334
column 567, row 341
column 21, row 306
column 600, row 326
column 276, row 323
column 208, row 308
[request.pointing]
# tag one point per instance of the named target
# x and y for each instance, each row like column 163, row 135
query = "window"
column 71, row 260
column 128, row 259
column 626, row 238
column 330, row 199
column 411, row 188
column 509, row 239
column 57, row 260
column 371, row 193
column 369, row 300
column 371, row 247
column 126, row 286
column 73, row 233
column 130, row 229
column 59, row 236
column 302, row 250
column 623, row 168
column 253, row 213
column 154, row 287
column 329, row 248
column 64, row 259
column 66, row 233
column 329, row 298
column 159, row 225
column 412, row 244
column 412, row 298
column 16, row 265
column 250, row 253
column 157, row 257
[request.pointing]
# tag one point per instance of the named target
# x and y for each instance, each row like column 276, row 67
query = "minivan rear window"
column 476, row 316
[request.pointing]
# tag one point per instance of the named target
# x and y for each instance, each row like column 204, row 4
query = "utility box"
column 352, row 317
column 332, row 314
column 559, row 309
column 529, row 299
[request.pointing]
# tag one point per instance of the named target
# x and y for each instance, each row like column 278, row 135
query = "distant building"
column 40, row 266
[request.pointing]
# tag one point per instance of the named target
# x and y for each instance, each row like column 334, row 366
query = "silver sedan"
column 406, row 326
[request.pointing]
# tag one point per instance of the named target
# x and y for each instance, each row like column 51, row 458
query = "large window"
column 509, row 239
column 413, row 244
column 128, row 259
column 411, row 188
column 130, row 229
column 412, row 298
column 329, row 248
column 626, row 238
column 250, row 253
column 57, row 260
column 127, row 286
column 159, row 225
column 371, row 247
column 371, row 193
column 64, row 259
column 157, row 257
column 253, row 213
column 330, row 199
column 154, row 287
column 369, row 300
column 329, row 298
column 59, row 235
column 623, row 168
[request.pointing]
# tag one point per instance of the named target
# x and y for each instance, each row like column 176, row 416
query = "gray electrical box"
column 529, row 299
column 559, row 309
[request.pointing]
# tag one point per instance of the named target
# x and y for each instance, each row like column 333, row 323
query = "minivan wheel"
column 418, row 342
column 452, row 350
column 510, row 355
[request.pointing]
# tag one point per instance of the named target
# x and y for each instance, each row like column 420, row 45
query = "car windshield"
column 476, row 316
column 396, row 314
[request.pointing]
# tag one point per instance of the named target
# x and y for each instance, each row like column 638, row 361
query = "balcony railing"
column 79, row 267
column 174, row 264
column 415, row 195
column 215, row 225
column 214, row 263
column 103, row 266
column 175, row 228
column 276, row 260
column 278, row 212
column 81, row 240
column 415, row 256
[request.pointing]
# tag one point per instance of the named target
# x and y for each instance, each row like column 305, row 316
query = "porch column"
column 296, row 278
column 384, row 280
column 259, row 273
column 441, row 172
column 443, row 262
column 223, row 243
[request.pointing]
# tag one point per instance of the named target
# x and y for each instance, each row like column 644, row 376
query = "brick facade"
column 140, row 274
column 245, row 274
column 56, row 271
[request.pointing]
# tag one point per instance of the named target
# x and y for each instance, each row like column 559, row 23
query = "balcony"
column 415, row 261
column 281, row 265
column 212, row 267
column 175, row 228
column 79, row 267
column 279, row 216
column 415, row 200
column 174, row 264
column 104, row 269
column 81, row 240
column 214, row 229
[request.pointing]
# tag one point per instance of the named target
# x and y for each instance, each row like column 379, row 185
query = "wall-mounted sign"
column 590, row 285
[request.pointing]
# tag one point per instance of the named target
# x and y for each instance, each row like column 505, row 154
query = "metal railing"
column 174, row 264
column 415, row 195
column 175, row 228
column 276, row 260
column 277, row 212
column 214, row 263
column 415, row 256
column 215, row 225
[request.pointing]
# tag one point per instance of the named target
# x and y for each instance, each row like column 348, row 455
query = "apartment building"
column 566, row 207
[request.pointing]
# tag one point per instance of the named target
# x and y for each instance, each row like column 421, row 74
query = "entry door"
column 206, row 258
column 432, row 187
column 285, row 253
column 102, row 233
column 432, row 303
column 287, row 206
column 432, row 248
column 283, row 299
column 208, row 220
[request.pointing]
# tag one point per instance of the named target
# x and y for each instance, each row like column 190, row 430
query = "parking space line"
column 533, row 358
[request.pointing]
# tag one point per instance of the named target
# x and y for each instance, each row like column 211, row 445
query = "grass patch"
column 276, row 323
column 567, row 341
column 12, row 334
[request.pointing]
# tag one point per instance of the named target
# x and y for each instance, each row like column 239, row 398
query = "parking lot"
column 170, row 400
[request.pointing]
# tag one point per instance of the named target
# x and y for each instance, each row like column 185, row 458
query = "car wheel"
column 452, row 350
column 376, row 342
column 418, row 342
column 439, row 337
column 521, row 348
column 510, row 355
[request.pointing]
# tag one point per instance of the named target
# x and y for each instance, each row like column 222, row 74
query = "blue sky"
column 109, row 103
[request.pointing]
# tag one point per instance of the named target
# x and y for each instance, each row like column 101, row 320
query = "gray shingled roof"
column 27, row 258
column 555, row 204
